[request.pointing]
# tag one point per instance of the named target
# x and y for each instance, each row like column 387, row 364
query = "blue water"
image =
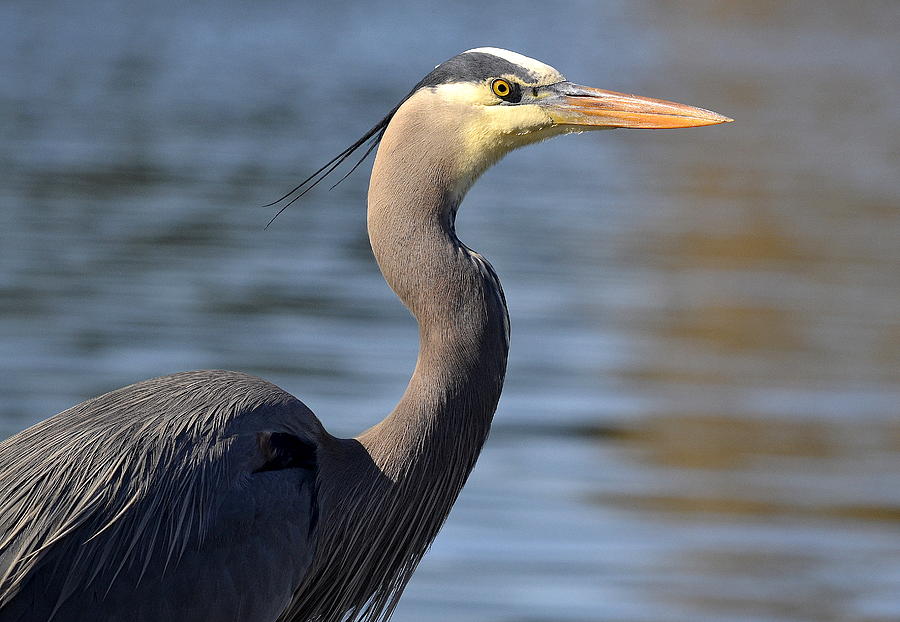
column 700, row 420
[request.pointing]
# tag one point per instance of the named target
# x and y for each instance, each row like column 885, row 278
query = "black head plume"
column 373, row 136
column 467, row 66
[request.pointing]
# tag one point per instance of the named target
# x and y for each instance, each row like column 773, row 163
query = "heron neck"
column 389, row 490
column 444, row 416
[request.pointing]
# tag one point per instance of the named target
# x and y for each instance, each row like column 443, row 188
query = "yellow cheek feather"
column 487, row 130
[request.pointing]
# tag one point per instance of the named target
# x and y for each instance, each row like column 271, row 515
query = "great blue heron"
column 216, row 496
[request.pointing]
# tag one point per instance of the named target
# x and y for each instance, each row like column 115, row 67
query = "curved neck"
column 385, row 495
column 445, row 413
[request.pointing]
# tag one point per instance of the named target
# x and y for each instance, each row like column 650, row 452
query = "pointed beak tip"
column 714, row 118
column 699, row 117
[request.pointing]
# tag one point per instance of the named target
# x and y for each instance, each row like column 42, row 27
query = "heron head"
column 485, row 102
column 475, row 107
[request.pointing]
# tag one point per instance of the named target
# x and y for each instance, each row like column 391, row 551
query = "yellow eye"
column 500, row 87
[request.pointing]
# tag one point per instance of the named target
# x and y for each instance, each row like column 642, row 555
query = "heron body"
column 216, row 496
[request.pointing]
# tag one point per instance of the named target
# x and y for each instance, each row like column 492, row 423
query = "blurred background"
column 701, row 420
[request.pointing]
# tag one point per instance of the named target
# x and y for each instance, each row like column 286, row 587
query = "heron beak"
column 583, row 107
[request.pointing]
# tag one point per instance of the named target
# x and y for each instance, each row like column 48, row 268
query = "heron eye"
column 500, row 87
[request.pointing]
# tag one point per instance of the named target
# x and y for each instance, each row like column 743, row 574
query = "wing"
column 186, row 497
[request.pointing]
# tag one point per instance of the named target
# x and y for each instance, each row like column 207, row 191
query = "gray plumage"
column 215, row 496
column 142, row 479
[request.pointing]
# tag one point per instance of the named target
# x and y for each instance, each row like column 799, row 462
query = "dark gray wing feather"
column 185, row 497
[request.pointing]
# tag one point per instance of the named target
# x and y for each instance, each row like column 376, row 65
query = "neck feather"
column 445, row 413
column 387, row 493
